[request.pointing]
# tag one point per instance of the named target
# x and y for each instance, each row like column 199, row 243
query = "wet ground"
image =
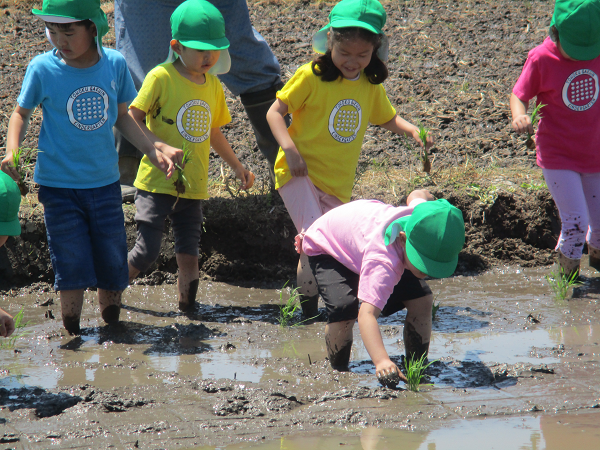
column 514, row 365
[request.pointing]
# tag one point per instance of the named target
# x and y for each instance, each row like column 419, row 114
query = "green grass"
column 434, row 309
column 288, row 308
column 415, row 371
column 9, row 343
column 560, row 282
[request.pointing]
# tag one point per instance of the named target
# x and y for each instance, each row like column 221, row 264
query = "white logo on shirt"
column 193, row 121
column 344, row 120
column 87, row 108
column 580, row 91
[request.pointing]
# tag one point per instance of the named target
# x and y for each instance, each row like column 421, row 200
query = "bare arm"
column 7, row 324
column 276, row 119
column 521, row 121
column 371, row 336
column 219, row 143
column 135, row 131
column 17, row 127
column 419, row 193
column 400, row 126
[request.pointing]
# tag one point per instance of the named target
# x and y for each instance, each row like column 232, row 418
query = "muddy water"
column 228, row 375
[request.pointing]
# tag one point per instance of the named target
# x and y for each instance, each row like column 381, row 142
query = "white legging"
column 577, row 197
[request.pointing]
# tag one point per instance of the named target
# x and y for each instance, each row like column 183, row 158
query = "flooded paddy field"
column 515, row 368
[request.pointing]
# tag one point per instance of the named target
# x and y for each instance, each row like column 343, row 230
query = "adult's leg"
column 591, row 189
column 566, row 188
column 255, row 72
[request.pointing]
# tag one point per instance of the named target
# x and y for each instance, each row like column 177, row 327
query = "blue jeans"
column 86, row 237
column 143, row 33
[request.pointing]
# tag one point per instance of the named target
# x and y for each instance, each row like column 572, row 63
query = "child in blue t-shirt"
column 84, row 91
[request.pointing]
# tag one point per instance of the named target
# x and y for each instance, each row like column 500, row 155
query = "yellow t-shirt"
column 179, row 111
column 329, row 120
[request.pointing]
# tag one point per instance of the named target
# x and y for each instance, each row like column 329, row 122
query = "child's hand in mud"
column 245, row 176
column 522, row 124
column 389, row 375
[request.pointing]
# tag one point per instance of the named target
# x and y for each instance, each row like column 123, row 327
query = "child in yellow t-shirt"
column 183, row 103
column 332, row 100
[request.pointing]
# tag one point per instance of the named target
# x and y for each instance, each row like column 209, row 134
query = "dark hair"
column 553, row 33
column 87, row 23
column 323, row 66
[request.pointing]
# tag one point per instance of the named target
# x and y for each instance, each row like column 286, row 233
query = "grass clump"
column 434, row 309
column 535, row 118
column 415, row 371
column 560, row 282
column 423, row 133
column 22, row 166
column 20, row 331
column 289, row 307
column 181, row 180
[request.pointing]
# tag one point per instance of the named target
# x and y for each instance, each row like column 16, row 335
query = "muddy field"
column 227, row 374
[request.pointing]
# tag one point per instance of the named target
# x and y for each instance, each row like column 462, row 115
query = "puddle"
column 578, row 431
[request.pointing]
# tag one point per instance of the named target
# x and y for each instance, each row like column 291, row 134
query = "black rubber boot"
column 257, row 105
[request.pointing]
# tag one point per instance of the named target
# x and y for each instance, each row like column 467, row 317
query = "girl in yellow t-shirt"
column 332, row 100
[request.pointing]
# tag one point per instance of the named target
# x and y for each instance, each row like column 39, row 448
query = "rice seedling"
column 423, row 133
column 181, row 180
column 25, row 153
column 288, row 308
column 560, row 282
column 9, row 342
column 415, row 371
column 535, row 118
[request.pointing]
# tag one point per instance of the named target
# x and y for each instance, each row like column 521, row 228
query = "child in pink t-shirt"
column 563, row 74
column 379, row 254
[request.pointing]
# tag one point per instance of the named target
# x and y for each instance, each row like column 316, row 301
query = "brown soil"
column 452, row 67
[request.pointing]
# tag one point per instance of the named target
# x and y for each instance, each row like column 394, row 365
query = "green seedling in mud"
column 9, row 343
column 181, row 180
column 415, row 371
column 21, row 167
column 560, row 282
column 434, row 309
column 288, row 308
column 535, row 118
column 423, row 133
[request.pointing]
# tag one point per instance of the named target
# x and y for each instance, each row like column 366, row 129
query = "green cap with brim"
column 578, row 25
column 10, row 200
column 367, row 14
column 69, row 11
column 198, row 24
column 435, row 235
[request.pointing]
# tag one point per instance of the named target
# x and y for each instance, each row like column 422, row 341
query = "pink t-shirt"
column 353, row 235
column 568, row 135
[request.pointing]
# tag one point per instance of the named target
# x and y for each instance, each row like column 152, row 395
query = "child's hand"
column 174, row 154
column 9, row 169
column 245, row 176
column 296, row 163
column 430, row 139
column 522, row 124
column 388, row 374
column 7, row 325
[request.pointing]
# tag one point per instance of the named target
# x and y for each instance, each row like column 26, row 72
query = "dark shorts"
column 152, row 212
column 86, row 237
column 338, row 286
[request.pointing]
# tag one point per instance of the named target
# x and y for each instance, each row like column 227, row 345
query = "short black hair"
column 87, row 23
column 323, row 66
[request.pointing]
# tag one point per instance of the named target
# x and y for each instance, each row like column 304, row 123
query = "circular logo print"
column 87, row 108
column 580, row 91
column 193, row 121
column 345, row 120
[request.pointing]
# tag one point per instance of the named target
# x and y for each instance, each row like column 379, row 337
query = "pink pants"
column 577, row 197
column 305, row 202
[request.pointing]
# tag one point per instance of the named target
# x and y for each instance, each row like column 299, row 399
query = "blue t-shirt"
column 80, row 106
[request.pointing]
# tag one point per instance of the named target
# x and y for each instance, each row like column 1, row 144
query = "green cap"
column 367, row 14
column 435, row 235
column 10, row 199
column 199, row 25
column 578, row 25
column 69, row 11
